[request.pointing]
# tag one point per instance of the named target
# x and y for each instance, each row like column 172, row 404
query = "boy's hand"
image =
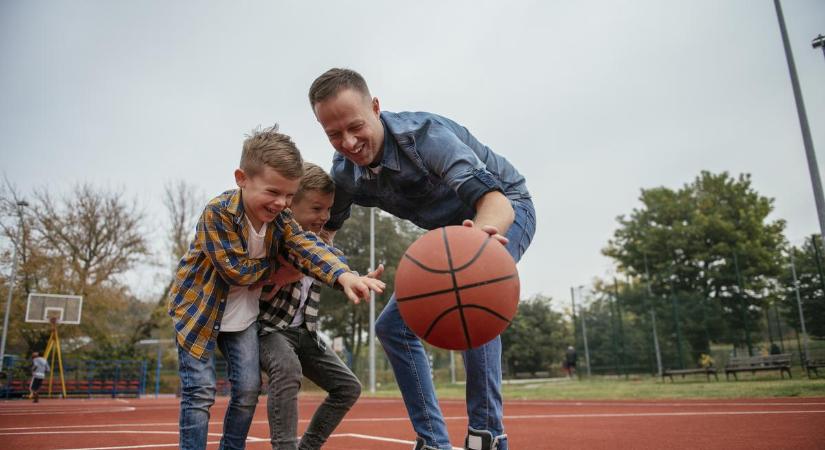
column 357, row 288
column 489, row 229
column 285, row 274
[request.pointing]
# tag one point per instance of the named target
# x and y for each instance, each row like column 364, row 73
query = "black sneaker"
column 420, row 444
column 482, row 440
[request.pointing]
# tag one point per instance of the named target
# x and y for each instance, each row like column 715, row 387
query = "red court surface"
column 787, row 423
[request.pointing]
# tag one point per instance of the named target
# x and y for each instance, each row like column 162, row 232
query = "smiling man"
column 431, row 171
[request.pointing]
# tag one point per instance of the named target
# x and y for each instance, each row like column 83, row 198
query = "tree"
column 536, row 338
column 710, row 249
column 79, row 244
column 809, row 275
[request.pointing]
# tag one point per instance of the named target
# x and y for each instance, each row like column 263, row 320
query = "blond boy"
column 211, row 302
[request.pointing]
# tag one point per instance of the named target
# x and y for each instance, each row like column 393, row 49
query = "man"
column 39, row 368
column 430, row 170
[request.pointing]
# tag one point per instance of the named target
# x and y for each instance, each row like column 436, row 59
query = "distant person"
column 290, row 346
column 39, row 368
column 570, row 358
column 775, row 350
column 432, row 171
column 214, row 299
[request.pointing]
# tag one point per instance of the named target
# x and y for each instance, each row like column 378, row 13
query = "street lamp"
column 819, row 42
column 20, row 205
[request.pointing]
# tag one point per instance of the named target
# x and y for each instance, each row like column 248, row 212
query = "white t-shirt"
column 298, row 319
column 242, row 303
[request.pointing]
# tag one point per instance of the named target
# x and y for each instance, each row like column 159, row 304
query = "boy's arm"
column 325, row 263
column 216, row 235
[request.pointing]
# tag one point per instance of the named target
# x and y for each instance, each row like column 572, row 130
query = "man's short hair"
column 334, row 80
column 314, row 179
column 268, row 147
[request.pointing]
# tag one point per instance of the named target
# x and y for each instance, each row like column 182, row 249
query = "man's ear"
column 376, row 107
column 240, row 178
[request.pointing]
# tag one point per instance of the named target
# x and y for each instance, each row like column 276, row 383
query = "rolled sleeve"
column 457, row 164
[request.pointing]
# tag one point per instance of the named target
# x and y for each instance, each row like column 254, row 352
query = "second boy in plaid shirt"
column 214, row 300
column 289, row 343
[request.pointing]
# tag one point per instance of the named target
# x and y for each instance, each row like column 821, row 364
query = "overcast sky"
column 590, row 100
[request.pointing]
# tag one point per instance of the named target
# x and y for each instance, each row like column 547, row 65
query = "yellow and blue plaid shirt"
column 217, row 258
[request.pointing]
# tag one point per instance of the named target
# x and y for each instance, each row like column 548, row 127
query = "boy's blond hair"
column 267, row 147
column 314, row 179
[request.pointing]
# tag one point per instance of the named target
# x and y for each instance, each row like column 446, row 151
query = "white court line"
column 11, row 430
column 515, row 403
column 379, row 438
column 67, row 411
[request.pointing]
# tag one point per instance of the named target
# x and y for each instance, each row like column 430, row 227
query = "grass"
column 647, row 387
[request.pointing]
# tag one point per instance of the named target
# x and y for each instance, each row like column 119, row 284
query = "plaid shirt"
column 278, row 313
column 217, row 258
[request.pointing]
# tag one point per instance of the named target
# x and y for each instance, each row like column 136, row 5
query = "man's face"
column 353, row 125
column 312, row 210
column 266, row 194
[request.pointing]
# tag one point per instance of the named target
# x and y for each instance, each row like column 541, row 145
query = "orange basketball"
column 457, row 287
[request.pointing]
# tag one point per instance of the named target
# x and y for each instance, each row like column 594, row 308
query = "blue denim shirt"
column 432, row 173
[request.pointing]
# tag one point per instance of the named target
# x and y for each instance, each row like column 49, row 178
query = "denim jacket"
column 432, row 173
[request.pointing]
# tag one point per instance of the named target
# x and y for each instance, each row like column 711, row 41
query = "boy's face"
column 266, row 194
column 312, row 210
column 353, row 126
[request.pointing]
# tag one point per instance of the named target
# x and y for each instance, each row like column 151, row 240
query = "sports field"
column 381, row 423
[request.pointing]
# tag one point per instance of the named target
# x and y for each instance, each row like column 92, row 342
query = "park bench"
column 752, row 364
column 812, row 365
column 708, row 371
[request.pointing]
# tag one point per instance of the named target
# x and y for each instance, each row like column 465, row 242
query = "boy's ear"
column 376, row 107
column 240, row 178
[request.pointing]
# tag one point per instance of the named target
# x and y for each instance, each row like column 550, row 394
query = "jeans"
column 286, row 356
column 482, row 365
column 198, row 382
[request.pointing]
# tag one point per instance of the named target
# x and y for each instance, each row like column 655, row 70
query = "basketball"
column 457, row 287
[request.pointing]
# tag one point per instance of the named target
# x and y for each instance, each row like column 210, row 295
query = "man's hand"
column 285, row 275
column 489, row 229
column 357, row 288
column 376, row 273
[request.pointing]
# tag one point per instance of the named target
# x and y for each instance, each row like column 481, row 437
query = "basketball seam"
column 451, row 270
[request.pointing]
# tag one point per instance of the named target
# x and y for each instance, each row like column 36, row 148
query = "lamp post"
column 813, row 168
column 584, row 335
column 20, row 205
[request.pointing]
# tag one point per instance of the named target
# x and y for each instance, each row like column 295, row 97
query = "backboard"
column 65, row 309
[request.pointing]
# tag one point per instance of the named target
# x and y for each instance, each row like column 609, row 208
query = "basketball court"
column 382, row 424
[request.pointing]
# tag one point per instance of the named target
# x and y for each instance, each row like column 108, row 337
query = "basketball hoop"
column 54, row 309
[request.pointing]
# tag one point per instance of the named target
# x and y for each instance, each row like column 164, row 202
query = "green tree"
column 536, row 338
column 811, row 289
column 694, row 239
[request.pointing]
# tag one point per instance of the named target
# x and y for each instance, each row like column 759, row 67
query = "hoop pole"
column 60, row 361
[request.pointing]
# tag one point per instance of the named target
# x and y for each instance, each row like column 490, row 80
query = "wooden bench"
column 813, row 365
column 752, row 364
column 708, row 371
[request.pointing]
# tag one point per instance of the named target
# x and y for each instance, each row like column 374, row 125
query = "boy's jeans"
column 198, row 390
column 288, row 354
column 482, row 365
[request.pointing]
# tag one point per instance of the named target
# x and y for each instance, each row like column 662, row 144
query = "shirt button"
column 217, row 327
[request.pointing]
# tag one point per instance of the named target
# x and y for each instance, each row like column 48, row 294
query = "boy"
column 289, row 342
column 39, row 368
column 211, row 302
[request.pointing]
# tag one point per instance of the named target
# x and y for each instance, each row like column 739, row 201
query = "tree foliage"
column 77, row 244
column 536, row 338
column 699, row 244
